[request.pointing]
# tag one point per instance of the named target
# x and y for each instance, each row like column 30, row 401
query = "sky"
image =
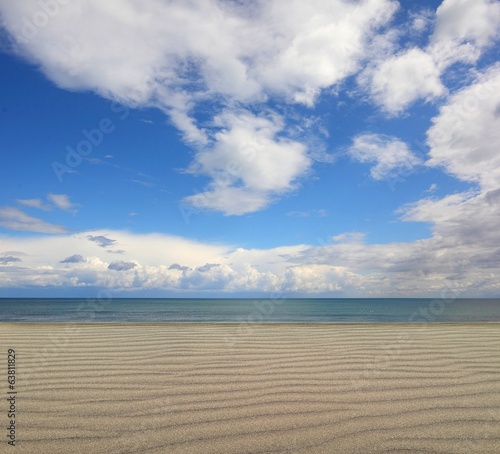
column 328, row 148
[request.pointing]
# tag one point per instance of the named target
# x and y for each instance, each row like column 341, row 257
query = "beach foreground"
column 234, row 388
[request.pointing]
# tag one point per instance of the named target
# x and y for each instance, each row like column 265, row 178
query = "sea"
column 258, row 310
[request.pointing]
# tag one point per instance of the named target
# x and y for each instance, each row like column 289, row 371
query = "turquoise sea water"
column 271, row 310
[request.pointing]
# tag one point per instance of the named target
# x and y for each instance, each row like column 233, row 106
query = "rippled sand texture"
column 213, row 388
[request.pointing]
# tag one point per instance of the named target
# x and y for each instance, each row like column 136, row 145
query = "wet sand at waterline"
column 263, row 388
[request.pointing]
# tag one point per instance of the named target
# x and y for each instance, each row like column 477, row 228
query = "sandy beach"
column 275, row 388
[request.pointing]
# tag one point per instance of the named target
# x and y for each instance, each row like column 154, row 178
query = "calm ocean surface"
column 249, row 310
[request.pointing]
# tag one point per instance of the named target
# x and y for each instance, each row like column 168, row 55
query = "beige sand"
column 214, row 388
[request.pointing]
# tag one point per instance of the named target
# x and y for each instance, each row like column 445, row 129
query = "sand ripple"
column 228, row 388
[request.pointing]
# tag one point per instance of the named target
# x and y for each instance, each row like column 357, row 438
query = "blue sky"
column 330, row 149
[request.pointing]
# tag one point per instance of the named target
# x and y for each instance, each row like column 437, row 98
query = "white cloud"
column 350, row 238
column 461, row 258
column 390, row 156
column 402, row 79
column 316, row 44
column 34, row 203
column 421, row 20
column 14, row 219
column 62, row 202
column 43, row 264
column 432, row 188
column 465, row 234
column 249, row 164
column 205, row 267
column 437, row 211
column 463, row 20
column 305, row 214
column 465, row 137
column 463, row 30
column 155, row 48
column 231, row 201
column 318, row 279
column 174, row 55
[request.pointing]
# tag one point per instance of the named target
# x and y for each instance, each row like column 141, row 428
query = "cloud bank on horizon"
column 247, row 85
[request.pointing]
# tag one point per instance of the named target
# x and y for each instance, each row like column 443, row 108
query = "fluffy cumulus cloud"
column 157, row 54
column 390, row 157
column 144, row 264
column 463, row 30
column 401, row 79
column 465, row 137
column 248, row 164
column 154, row 46
column 462, row 20
column 461, row 258
column 205, row 267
